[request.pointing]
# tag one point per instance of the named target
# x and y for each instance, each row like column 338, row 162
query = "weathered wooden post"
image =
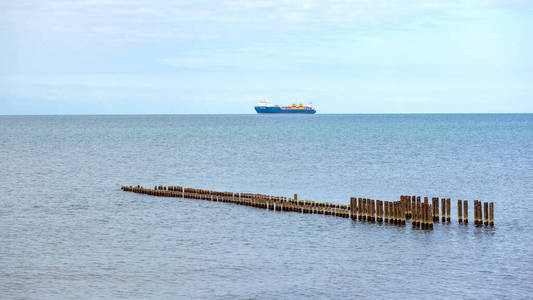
column 424, row 209
column 443, row 209
column 425, row 218
column 436, row 215
column 384, row 211
column 465, row 211
column 435, row 202
column 418, row 202
column 413, row 205
column 414, row 214
column 433, row 208
column 402, row 201
column 390, row 212
column 431, row 218
column 420, row 213
column 403, row 211
column 368, row 210
column 448, row 210
column 364, row 209
column 460, row 211
column 491, row 209
column 409, row 207
column 372, row 210
column 420, row 209
column 392, row 207
column 475, row 213
column 479, row 214
column 396, row 212
column 359, row 208
column 352, row 207
column 379, row 211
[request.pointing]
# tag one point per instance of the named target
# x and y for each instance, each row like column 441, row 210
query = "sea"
column 67, row 231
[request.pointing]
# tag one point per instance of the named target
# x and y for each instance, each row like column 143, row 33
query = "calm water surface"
column 67, row 231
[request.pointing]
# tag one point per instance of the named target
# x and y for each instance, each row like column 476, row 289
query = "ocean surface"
column 67, row 231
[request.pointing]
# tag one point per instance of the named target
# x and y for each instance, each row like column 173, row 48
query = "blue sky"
column 361, row 56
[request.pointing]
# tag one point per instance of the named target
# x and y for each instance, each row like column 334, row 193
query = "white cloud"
column 145, row 17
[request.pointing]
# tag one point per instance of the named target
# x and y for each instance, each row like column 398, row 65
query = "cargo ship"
column 268, row 108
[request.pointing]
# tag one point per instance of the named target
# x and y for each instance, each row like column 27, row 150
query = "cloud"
column 391, row 48
column 143, row 18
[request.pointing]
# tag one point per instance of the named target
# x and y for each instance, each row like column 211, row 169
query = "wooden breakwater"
column 421, row 214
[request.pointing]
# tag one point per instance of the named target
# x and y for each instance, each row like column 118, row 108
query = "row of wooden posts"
column 421, row 213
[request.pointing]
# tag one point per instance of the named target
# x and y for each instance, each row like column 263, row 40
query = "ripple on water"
column 67, row 231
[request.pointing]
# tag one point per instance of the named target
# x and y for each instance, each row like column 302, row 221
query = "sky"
column 222, row 57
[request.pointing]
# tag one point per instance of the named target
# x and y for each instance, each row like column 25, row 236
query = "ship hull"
column 279, row 110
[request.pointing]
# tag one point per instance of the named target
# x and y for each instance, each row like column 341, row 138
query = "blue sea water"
column 67, row 231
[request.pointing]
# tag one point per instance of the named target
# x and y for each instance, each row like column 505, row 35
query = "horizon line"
column 251, row 114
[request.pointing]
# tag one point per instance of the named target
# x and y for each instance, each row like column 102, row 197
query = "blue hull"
column 279, row 110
